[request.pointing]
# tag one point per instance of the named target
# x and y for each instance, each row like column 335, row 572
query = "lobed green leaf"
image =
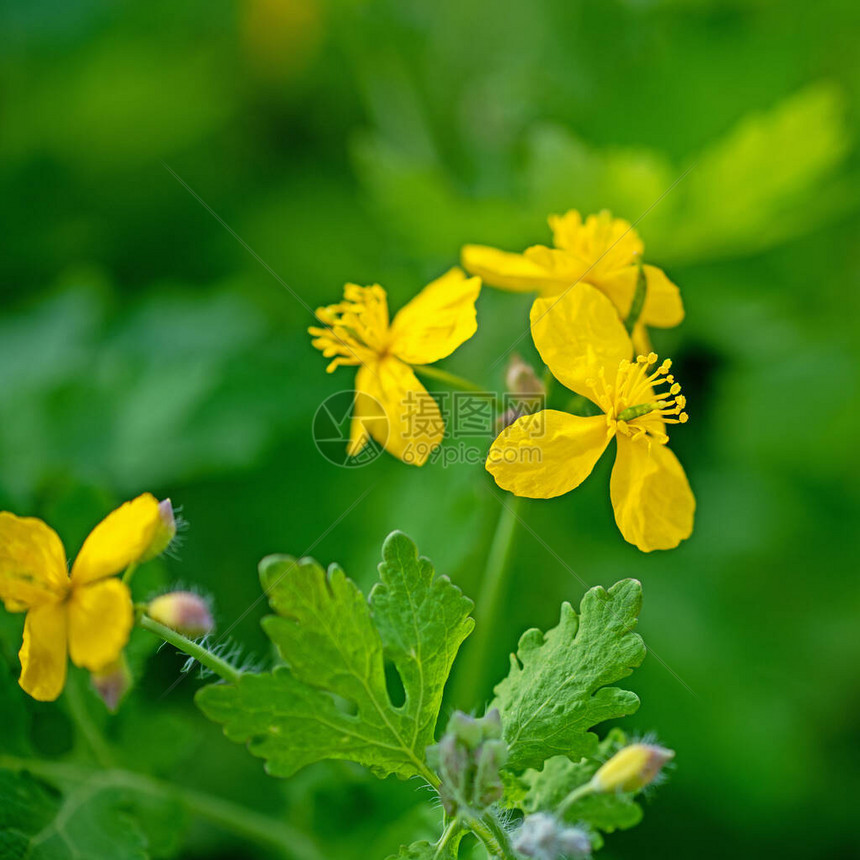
column 558, row 686
column 330, row 700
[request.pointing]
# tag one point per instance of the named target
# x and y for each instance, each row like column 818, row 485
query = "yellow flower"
column 585, row 346
column 86, row 615
column 431, row 326
column 604, row 252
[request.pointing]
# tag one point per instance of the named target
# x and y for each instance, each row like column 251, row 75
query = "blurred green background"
column 166, row 169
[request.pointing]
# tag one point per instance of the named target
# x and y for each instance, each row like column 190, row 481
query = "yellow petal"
column 562, row 269
column 663, row 306
column 603, row 242
column 517, row 272
column 547, row 454
column 653, row 502
column 577, row 334
column 413, row 425
column 43, row 654
column 100, row 620
column 641, row 340
column 437, row 320
column 121, row 538
column 32, row 563
column 368, row 416
column 619, row 286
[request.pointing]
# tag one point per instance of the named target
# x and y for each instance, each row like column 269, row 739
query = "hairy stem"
column 492, row 836
column 468, row 690
column 576, row 794
column 451, row 833
column 192, row 649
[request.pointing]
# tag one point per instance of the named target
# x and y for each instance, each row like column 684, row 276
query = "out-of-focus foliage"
column 143, row 347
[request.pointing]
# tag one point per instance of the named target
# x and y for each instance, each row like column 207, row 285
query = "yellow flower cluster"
column 589, row 288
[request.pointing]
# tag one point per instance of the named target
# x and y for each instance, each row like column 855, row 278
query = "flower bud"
column 544, row 837
column 183, row 611
column 526, row 393
column 469, row 759
column 520, row 377
column 112, row 683
column 631, row 768
column 165, row 531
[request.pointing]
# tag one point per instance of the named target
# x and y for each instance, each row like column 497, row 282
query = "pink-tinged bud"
column 183, row 611
column 520, row 378
column 631, row 768
column 112, row 683
column 164, row 532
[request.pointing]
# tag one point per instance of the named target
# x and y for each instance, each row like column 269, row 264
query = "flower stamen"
column 636, row 395
column 355, row 329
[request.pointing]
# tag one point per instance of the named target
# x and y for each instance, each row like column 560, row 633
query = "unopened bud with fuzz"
column 631, row 768
column 165, row 531
column 183, row 611
column 469, row 759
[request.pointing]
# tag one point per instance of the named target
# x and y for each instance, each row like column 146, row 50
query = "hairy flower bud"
column 164, row 533
column 469, row 758
column 631, row 768
column 112, row 683
column 182, row 611
column 520, row 377
column 544, row 837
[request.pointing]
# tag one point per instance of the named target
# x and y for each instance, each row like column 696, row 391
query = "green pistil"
column 632, row 412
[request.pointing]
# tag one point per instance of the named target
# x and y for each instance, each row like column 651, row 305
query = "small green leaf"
column 558, row 689
column 331, row 699
column 599, row 812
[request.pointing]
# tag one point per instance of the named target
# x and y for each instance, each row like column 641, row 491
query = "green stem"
column 576, row 794
column 452, row 831
column 492, row 835
column 82, row 720
column 468, row 689
column 192, row 649
column 638, row 300
column 222, row 813
column 444, row 376
column 129, row 572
